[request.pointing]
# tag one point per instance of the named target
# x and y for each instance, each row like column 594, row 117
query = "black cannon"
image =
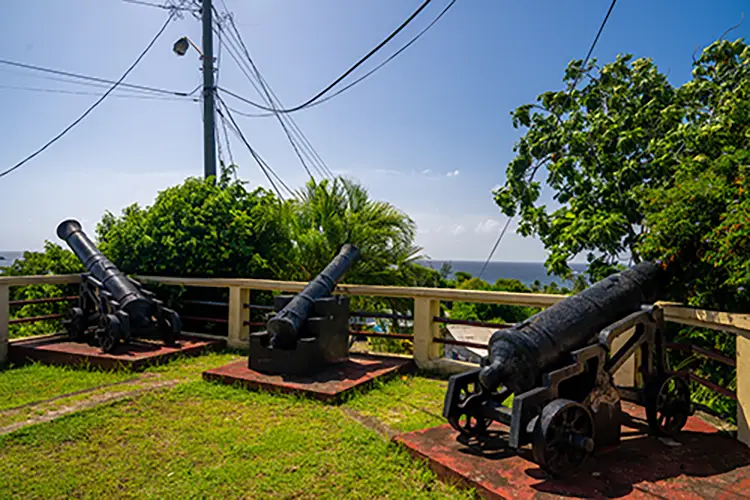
column 559, row 367
column 111, row 305
column 309, row 330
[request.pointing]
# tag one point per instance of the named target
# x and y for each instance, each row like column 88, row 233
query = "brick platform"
column 329, row 385
column 705, row 464
column 136, row 355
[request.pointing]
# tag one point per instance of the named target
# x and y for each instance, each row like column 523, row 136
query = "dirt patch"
column 18, row 409
column 372, row 423
column 50, row 413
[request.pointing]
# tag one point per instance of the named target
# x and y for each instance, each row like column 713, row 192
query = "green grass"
column 193, row 366
column 405, row 403
column 31, row 383
column 210, row 440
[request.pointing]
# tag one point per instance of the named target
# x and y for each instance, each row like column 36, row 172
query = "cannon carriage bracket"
column 322, row 340
column 575, row 411
column 97, row 313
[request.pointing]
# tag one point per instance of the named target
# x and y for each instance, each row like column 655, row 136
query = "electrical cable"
column 97, row 79
column 344, row 75
column 261, row 163
column 313, row 156
column 389, row 59
column 268, row 94
column 81, row 92
column 298, row 149
column 226, row 138
column 96, row 103
column 575, row 82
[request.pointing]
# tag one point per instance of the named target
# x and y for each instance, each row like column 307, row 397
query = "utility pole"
column 209, row 137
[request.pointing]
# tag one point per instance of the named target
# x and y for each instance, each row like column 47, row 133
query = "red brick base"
column 329, row 385
column 705, row 464
column 136, row 355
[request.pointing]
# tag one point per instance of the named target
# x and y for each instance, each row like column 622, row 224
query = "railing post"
column 4, row 316
column 743, row 388
column 425, row 329
column 238, row 331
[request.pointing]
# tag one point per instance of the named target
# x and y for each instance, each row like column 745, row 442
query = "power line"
column 346, row 73
column 81, row 92
column 226, row 137
column 269, row 95
column 389, row 59
column 263, row 91
column 97, row 79
column 261, row 163
column 575, row 82
column 98, row 101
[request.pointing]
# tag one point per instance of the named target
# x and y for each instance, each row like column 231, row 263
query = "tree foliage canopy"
column 325, row 215
column 201, row 229
column 642, row 168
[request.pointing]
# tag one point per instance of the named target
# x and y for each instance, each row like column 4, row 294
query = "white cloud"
column 487, row 226
column 453, row 174
column 426, row 171
column 459, row 229
column 386, row 171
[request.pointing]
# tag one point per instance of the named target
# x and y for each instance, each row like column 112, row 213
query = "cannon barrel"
column 138, row 307
column 286, row 324
column 519, row 354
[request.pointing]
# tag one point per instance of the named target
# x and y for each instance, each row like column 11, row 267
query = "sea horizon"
column 526, row 272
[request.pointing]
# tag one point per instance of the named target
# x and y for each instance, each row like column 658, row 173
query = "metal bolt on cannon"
column 559, row 366
column 309, row 330
column 111, row 305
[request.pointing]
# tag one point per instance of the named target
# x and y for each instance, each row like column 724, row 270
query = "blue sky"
column 440, row 108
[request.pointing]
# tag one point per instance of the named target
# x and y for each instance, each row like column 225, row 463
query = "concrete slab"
column 135, row 356
column 700, row 463
column 329, row 385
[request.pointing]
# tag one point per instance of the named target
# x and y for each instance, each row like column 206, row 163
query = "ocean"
column 525, row 272
column 7, row 257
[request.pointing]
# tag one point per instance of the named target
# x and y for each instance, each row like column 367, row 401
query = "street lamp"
column 181, row 46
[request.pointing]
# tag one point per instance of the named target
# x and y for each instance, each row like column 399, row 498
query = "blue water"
column 525, row 272
column 8, row 257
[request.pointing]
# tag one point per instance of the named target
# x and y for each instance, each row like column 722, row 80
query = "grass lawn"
column 404, row 403
column 34, row 383
column 31, row 383
column 210, row 440
column 191, row 438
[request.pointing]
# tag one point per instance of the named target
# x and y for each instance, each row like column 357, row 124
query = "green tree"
column 595, row 143
column 644, row 169
column 198, row 229
column 325, row 215
column 641, row 168
column 53, row 260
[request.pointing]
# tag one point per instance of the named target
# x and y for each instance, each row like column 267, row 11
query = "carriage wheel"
column 667, row 404
column 563, row 436
column 75, row 324
column 464, row 415
column 109, row 333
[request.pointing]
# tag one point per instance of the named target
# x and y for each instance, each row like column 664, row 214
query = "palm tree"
column 325, row 215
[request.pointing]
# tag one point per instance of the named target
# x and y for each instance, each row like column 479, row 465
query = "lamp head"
column 181, row 46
